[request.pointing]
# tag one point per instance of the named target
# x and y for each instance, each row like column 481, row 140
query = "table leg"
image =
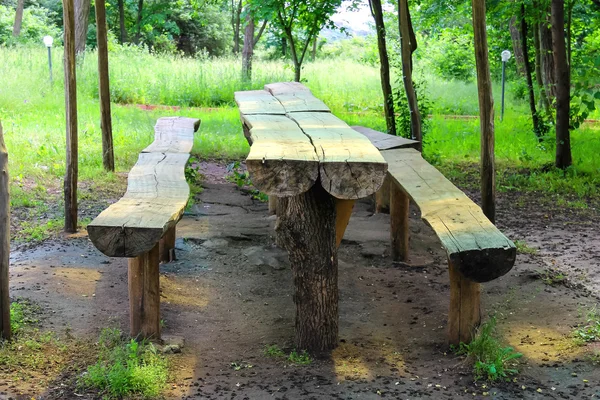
column 306, row 229
column 464, row 315
column 382, row 196
column 343, row 211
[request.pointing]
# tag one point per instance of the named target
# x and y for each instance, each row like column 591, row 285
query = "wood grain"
column 295, row 97
column 108, row 155
column 399, row 234
column 464, row 314
column 156, row 196
column 5, row 329
column 478, row 250
column 258, row 102
column 144, row 295
column 173, row 135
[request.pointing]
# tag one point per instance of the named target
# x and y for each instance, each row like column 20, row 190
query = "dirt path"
column 229, row 296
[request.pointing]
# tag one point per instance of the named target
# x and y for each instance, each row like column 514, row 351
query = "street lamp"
column 505, row 56
column 48, row 42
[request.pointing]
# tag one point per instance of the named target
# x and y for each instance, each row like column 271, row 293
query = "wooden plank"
column 295, row 97
column 5, row 329
column 464, row 314
column 156, row 196
column 350, row 166
column 173, row 135
column 475, row 246
column 282, row 161
column 399, row 207
column 258, row 102
column 343, row 212
column 144, row 295
column 383, row 141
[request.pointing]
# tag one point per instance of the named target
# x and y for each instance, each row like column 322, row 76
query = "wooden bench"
column 141, row 225
column 317, row 166
column 477, row 250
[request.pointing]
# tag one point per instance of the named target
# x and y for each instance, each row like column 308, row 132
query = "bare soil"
column 229, row 295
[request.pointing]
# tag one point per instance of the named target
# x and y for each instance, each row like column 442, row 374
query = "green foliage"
column 590, row 330
column 451, row 55
column 491, row 360
column 300, row 358
column 242, row 179
column 22, row 315
column 126, row 368
column 274, row 351
column 403, row 127
column 552, row 277
column 523, row 248
column 36, row 24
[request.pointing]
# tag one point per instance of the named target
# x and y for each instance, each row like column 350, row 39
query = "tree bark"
column 563, row 83
column 411, row 95
column 82, row 14
column 515, row 36
column 544, row 102
column 314, row 49
column 386, row 87
column 537, row 129
column 108, row 157
column 5, row 330
column 71, row 118
column 306, row 229
column 18, row 18
column 122, row 30
column 236, row 12
column 248, row 51
column 547, row 58
column 138, row 34
column 486, row 111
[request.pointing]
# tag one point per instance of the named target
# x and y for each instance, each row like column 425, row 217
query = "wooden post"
column 5, row 330
column 399, row 234
column 144, row 295
column 486, row 111
column 71, row 115
column 108, row 157
column 273, row 205
column 306, row 229
column 382, row 197
column 343, row 212
column 464, row 315
column 167, row 245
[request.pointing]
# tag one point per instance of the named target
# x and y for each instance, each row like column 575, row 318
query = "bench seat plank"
column 156, row 196
column 474, row 245
column 258, row 102
column 384, row 141
column 173, row 135
column 350, row 166
column 295, row 97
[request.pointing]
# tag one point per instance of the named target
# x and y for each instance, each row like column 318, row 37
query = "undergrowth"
column 491, row 360
column 126, row 368
column 589, row 331
column 295, row 356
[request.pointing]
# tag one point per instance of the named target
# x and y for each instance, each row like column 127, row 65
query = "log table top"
column 296, row 140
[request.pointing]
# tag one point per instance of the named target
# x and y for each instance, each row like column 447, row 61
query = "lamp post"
column 48, row 42
column 505, row 56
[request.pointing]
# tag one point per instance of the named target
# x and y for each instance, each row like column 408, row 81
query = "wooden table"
column 317, row 166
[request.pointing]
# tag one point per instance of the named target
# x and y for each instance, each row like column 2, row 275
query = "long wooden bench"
column 477, row 251
column 141, row 225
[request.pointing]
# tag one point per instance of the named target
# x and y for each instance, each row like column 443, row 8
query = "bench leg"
column 343, row 211
column 273, row 205
column 144, row 295
column 399, row 223
column 167, row 245
column 464, row 315
column 382, row 197
column 306, row 229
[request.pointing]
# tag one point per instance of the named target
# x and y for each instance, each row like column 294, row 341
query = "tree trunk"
column 314, row 49
column 306, row 229
column 18, row 18
column 123, row 31
column 547, row 58
column 563, row 83
column 486, row 111
column 386, row 87
column 82, row 14
column 71, row 116
column 138, row 34
column 108, row 157
column 411, row 95
column 248, row 50
column 570, row 5
column 537, row 129
column 236, row 12
column 544, row 102
column 5, row 330
column 515, row 36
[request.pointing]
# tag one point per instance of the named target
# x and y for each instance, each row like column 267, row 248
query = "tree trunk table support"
column 316, row 166
column 477, row 251
column 142, row 224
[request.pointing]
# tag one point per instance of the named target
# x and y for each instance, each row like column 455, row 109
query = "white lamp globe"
column 48, row 40
column 505, row 55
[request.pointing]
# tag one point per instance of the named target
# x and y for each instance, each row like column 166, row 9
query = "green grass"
column 491, row 360
column 295, row 356
column 126, row 368
column 589, row 331
column 274, row 351
column 523, row 248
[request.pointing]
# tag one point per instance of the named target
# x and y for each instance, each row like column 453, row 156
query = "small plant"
column 552, row 277
column 590, row 332
column 523, row 248
column 22, row 314
column 274, row 351
column 238, row 365
column 491, row 359
column 242, row 179
column 126, row 368
column 302, row 358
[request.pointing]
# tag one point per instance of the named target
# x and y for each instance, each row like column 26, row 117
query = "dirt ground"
column 229, row 295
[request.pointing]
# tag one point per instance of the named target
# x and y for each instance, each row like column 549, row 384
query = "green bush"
column 37, row 23
column 451, row 55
